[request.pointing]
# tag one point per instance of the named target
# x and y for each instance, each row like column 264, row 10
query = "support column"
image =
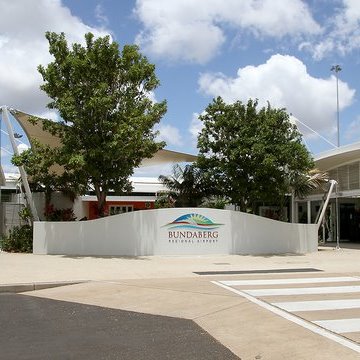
column 337, row 220
column 309, row 212
column 293, row 211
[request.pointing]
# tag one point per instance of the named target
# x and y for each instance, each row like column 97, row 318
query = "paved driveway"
column 151, row 306
column 36, row 328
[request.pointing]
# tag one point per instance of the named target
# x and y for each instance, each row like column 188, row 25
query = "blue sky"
column 279, row 51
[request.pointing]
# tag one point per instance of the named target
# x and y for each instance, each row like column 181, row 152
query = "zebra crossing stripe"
column 314, row 305
column 341, row 326
column 288, row 316
column 303, row 291
column 289, row 281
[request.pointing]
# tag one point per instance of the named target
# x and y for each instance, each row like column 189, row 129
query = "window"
column 347, row 176
column 120, row 209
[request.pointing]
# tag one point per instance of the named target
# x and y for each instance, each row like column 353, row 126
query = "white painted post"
column 21, row 168
column 337, row 220
column 323, row 210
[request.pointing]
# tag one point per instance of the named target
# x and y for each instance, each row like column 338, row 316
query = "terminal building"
column 342, row 165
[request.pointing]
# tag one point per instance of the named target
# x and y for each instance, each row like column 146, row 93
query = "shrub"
column 165, row 200
column 20, row 239
column 53, row 214
column 215, row 202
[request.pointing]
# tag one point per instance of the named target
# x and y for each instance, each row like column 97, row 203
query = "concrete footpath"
column 192, row 288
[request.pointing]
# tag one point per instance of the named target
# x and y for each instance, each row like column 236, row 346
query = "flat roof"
column 110, row 198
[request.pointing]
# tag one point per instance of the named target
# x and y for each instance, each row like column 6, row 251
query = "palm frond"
column 305, row 184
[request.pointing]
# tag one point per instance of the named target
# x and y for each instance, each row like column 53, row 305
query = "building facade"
column 343, row 214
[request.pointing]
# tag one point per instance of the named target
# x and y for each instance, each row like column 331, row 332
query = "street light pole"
column 337, row 69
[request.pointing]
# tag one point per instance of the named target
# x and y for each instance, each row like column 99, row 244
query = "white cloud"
column 284, row 82
column 170, row 134
column 100, row 15
column 342, row 33
column 151, row 96
column 195, row 127
column 353, row 130
column 49, row 114
column 22, row 147
column 194, row 30
column 23, row 47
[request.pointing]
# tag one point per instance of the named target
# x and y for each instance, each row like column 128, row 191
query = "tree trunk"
column 48, row 209
column 101, row 199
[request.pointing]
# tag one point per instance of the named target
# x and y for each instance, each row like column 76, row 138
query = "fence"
column 9, row 216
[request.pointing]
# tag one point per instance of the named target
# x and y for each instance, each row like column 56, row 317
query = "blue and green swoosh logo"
column 193, row 221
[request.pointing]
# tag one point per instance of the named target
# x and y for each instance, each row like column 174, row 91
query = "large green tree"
column 251, row 155
column 102, row 95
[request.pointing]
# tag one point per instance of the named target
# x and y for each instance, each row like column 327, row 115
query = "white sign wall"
column 177, row 231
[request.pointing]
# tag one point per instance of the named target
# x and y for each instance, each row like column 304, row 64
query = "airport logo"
column 193, row 228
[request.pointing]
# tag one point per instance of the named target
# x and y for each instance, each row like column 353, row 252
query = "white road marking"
column 314, row 305
column 303, row 291
column 341, row 326
column 307, row 325
column 288, row 281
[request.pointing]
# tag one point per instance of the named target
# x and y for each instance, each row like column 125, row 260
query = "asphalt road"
column 36, row 328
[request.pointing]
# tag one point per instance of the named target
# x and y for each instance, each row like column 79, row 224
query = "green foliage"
column 251, row 155
column 42, row 165
column 53, row 214
column 38, row 162
column 165, row 200
column 187, row 185
column 20, row 239
column 102, row 94
column 25, row 214
column 306, row 183
column 214, row 202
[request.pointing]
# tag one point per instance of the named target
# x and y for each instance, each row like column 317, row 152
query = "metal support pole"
column 333, row 183
column 337, row 221
column 309, row 212
column 21, row 168
column 337, row 69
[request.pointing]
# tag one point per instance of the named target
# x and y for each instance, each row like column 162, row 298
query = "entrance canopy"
column 36, row 132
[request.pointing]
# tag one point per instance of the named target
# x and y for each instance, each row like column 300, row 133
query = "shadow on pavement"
column 36, row 328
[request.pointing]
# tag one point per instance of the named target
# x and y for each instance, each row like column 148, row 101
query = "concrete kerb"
column 18, row 288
